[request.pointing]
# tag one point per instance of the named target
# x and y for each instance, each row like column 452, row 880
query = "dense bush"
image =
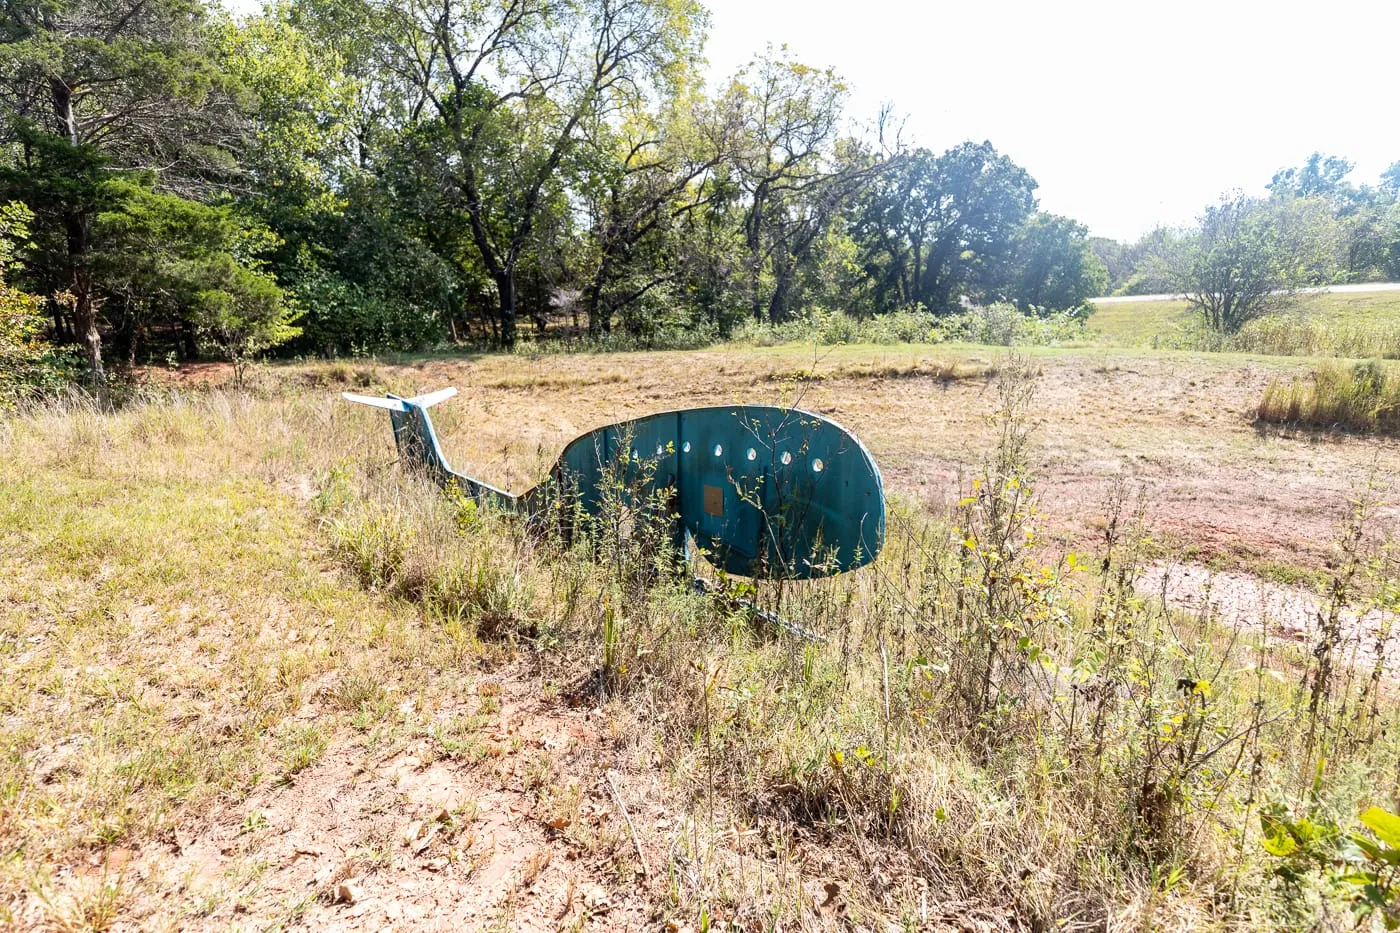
column 1003, row 325
column 347, row 319
column 669, row 337
column 998, row 325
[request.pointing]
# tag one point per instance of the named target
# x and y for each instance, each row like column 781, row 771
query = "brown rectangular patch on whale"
column 714, row 501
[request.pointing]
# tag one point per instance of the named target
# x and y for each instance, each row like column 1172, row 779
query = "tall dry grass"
column 1360, row 397
column 1297, row 335
column 978, row 717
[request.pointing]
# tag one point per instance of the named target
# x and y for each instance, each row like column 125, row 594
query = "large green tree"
column 513, row 87
column 27, row 362
column 1052, row 265
column 937, row 228
column 790, row 116
column 119, row 85
column 1368, row 225
column 645, row 176
column 1249, row 256
column 330, row 169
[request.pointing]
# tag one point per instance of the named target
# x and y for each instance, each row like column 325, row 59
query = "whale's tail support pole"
column 419, row 448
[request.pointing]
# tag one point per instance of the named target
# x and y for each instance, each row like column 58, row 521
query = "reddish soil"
column 1179, row 426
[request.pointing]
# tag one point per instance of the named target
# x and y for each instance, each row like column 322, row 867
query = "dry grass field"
column 254, row 678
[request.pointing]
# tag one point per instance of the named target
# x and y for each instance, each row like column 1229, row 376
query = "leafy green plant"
column 1361, row 867
column 29, row 365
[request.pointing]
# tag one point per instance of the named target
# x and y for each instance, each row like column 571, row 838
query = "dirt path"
column 1291, row 615
column 544, row 821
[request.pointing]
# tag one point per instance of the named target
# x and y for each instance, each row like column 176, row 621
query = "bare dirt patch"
column 1291, row 614
column 405, row 838
column 552, row 822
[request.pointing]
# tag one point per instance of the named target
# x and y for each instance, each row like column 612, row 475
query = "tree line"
column 342, row 176
column 1246, row 255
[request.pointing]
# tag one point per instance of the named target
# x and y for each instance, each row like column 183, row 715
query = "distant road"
column 1345, row 289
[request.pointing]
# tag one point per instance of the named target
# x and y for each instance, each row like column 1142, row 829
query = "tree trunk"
column 753, row 236
column 62, row 331
column 916, row 293
column 754, row 281
column 777, row 304
column 84, row 304
column 85, row 324
column 79, row 250
column 505, row 284
column 63, row 110
column 188, row 345
column 599, row 314
column 593, row 303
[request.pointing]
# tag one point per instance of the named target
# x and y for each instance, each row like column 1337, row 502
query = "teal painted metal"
column 764, row 491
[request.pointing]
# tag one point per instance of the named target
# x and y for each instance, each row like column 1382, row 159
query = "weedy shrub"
column 1360, row 397
column 671, row 335
column 460, row 564
column 1359, row 867
column 1291, row 335
column 1006, row 325
column 984, row 705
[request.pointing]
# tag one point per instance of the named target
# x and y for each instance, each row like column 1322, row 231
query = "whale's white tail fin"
column 413, row 429
column 394, row 403
column 418, row 444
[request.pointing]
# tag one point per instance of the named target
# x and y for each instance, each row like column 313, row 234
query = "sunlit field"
column 1093, row 630
column 257, row 677
column 1355, row 324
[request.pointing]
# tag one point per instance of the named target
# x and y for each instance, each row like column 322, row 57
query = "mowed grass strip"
column 1134, row 322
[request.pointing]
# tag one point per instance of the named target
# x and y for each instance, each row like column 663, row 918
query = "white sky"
column 1128, row 113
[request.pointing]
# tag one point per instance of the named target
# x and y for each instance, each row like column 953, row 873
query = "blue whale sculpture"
column 763, row 491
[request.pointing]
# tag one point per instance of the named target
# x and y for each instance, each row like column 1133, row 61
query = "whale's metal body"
column 764, row 491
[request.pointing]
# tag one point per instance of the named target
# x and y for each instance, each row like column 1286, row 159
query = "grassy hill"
column 1351, row 323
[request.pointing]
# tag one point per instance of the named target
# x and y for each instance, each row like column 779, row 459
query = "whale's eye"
column 752, row 454
column 634, row 454
column 685, row 448
column 659, row 449
column 817, row 465
column 787, row 457
column 719, row 449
